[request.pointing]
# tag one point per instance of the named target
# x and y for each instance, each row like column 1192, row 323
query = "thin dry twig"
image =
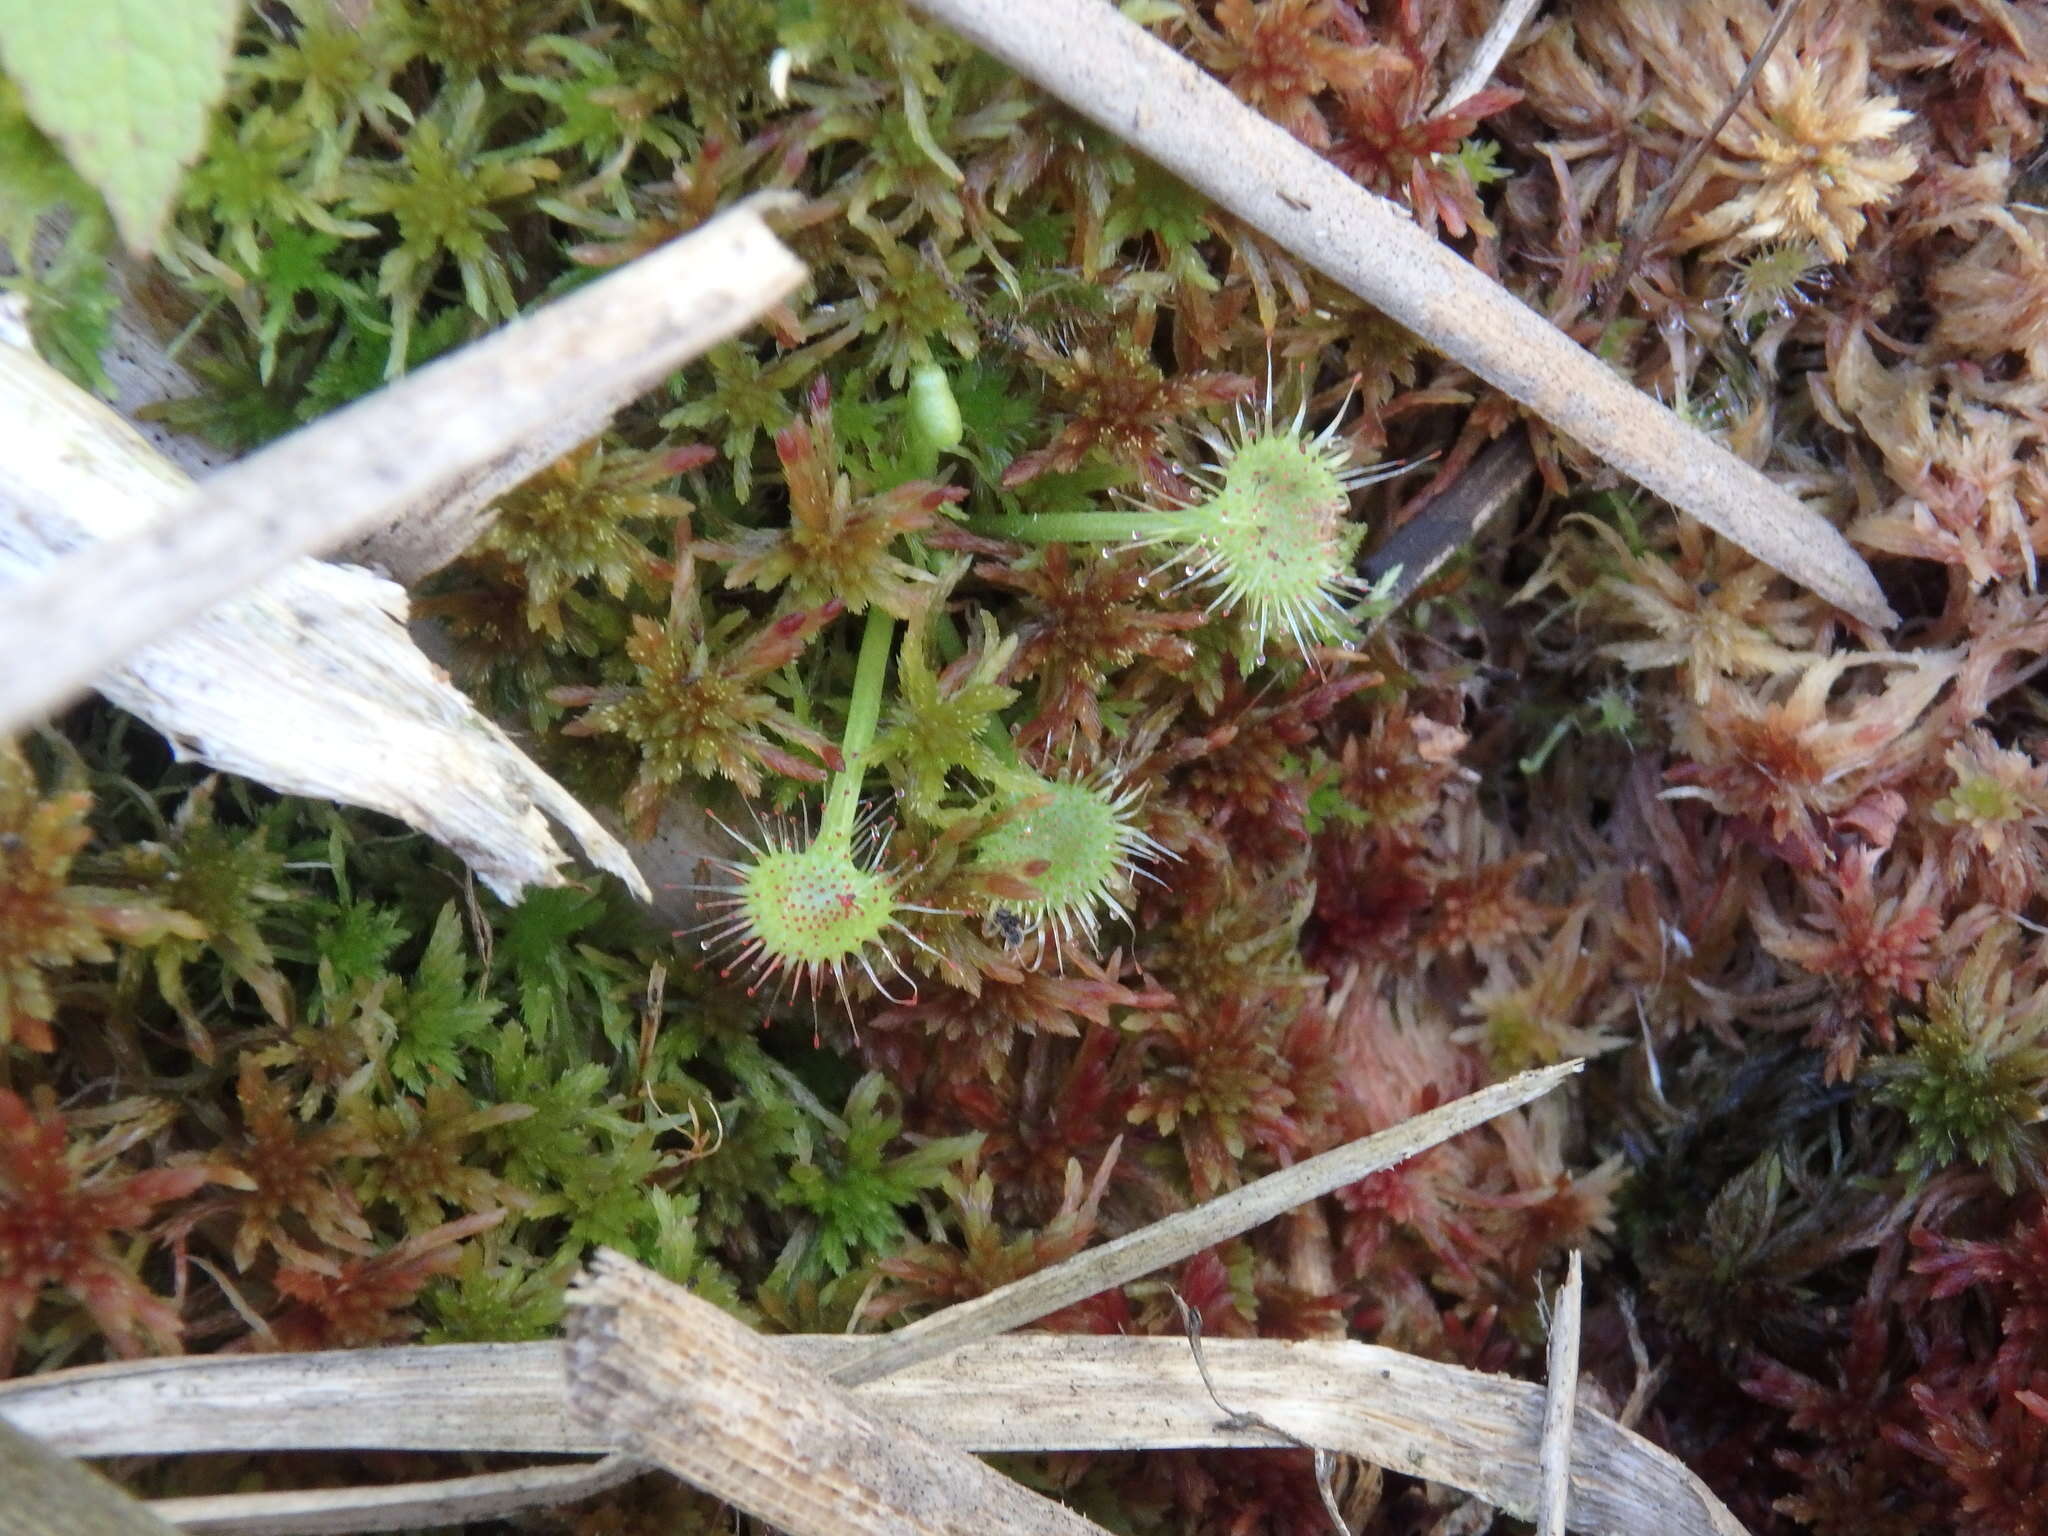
column 1500, row 36
column 1560, row 1404
column 1236, row 1418
column 1109, row 69
column 1649, row 1379
column 415, row 442
column 1643, row 229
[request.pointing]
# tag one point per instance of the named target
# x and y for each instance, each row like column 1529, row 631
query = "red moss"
column 364, row 1301
column 62, row 1206
column 1083, row 621
column 1872, row 941
column 840, row 545
column 297, row 1179
column 1221, row 1085
column 1119, row 405
column 1283, row 56
column 1389, row 142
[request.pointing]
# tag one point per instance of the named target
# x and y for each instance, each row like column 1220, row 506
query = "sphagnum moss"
column 1355, row 861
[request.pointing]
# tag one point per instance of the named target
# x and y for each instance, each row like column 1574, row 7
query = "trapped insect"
column 1009, row 926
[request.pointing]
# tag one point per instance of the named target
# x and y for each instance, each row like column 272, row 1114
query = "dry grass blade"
column 1168, row 1242
column 400, row 1507
column 1501, row 33
column 449, row 1397
column 684, row 1385
column 1019, row 1393
column 45, row 1495
column 416, row 441
column 1109, row 69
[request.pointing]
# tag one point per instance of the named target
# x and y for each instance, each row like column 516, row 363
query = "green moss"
column 1972, row 1082
column 1012, row 323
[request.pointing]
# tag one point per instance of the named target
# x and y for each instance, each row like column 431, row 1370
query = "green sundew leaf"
column 439, row 1014
column 126, row 87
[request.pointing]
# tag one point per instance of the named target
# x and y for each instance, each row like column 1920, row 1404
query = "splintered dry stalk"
column 1111, row 70
column 683, row 1384
column 400, row 447
column 302, row 683
column 48, row 1495
column 1560, row 1404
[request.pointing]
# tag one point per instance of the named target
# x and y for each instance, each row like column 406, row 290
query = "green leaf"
column 126, row 87
column 505, row 1302
column 357, row 944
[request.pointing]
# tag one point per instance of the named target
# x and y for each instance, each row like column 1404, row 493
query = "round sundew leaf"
column 1279, row 538
column 1075, row 833
column 814, row 907
column 1077, row 843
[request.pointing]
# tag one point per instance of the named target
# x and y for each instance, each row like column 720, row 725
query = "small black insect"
column 1008, row 926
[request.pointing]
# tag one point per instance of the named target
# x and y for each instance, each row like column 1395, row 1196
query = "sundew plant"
column 1069, row 832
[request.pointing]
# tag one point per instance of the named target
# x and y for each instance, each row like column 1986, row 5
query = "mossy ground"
column 278, row 1076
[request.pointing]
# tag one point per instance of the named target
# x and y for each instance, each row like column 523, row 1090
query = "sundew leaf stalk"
column 1271, row 536
column 810, row 906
